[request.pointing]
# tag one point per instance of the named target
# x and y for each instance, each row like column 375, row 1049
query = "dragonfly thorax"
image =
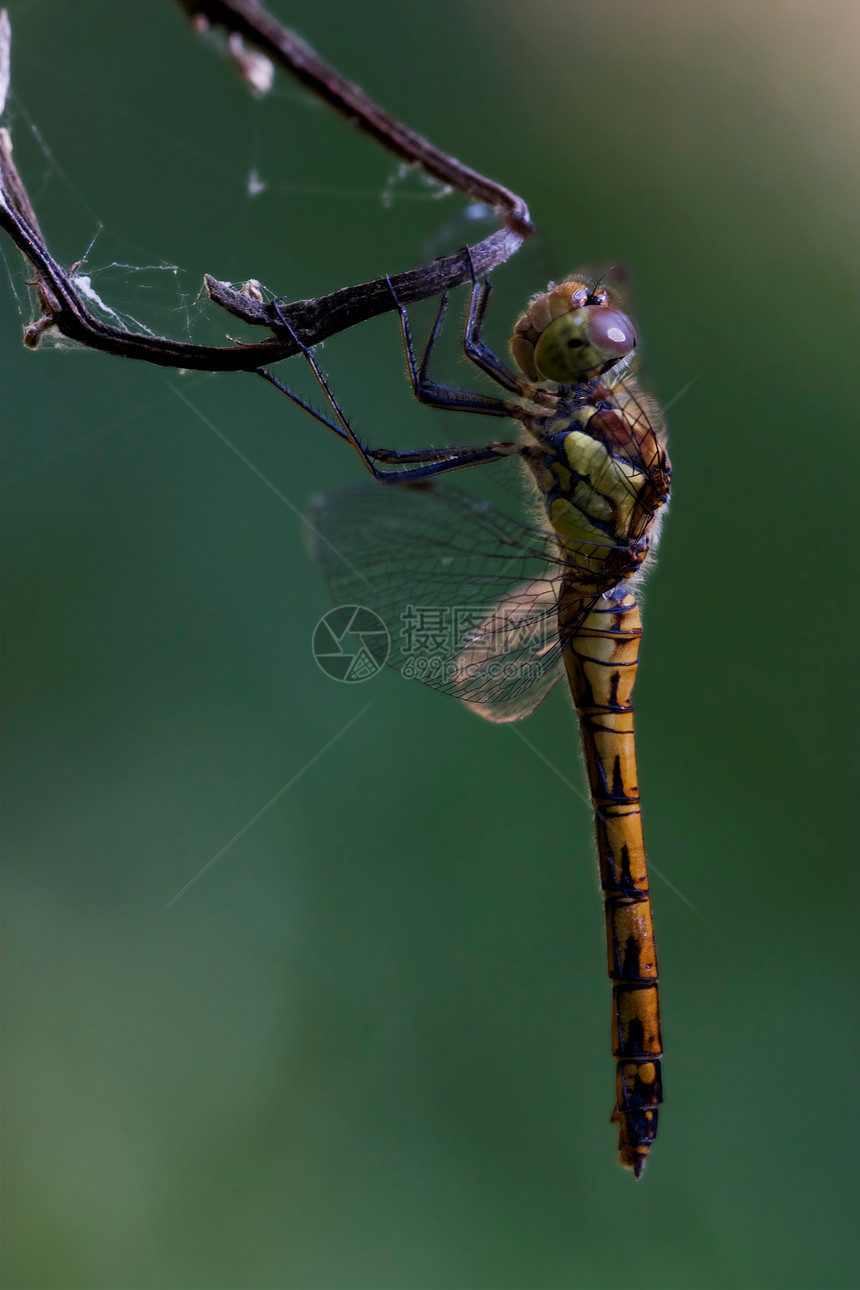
column 603, row 475
column 571, row 334
column 591, row 496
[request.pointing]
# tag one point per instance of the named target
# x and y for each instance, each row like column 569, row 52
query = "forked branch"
column 60, row 305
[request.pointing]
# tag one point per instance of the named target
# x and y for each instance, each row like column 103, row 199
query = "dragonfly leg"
column 306, row 407
column 340, row 425
column 417, row 464
column 444, row 396
column 479, row 352
column 421, row 463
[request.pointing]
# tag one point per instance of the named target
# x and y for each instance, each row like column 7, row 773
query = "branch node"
column 247, row 304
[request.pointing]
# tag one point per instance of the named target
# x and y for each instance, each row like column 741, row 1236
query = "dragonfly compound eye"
column 583, row 343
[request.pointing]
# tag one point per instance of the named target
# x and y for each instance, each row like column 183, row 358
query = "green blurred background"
column 369, row 1047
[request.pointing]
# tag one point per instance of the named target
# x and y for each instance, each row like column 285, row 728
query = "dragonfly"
column 496, row 611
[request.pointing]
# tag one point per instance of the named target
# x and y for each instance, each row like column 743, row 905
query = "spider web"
column 133, row 288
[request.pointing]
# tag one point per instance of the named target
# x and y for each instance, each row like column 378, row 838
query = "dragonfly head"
column 571, row 334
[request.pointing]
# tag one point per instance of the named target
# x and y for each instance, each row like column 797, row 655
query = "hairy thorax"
column 603, row 476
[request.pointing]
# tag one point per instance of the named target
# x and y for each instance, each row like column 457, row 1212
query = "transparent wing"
column 645, row 418
column 468, row 594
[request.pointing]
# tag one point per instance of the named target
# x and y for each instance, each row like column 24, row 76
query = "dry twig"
column 61, row 305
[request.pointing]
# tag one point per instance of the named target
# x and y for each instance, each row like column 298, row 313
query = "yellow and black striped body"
column 601, row 661
column 599, row 461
